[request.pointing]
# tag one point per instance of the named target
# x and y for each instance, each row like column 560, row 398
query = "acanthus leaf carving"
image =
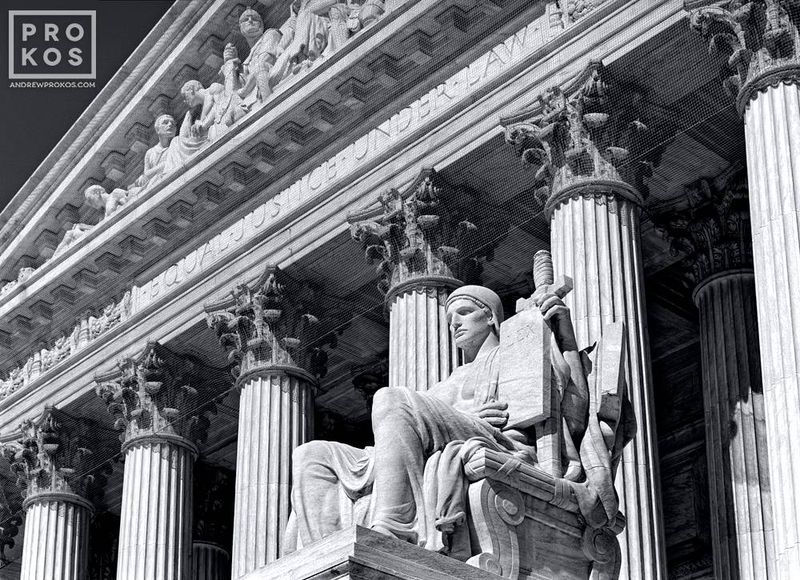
column 758, row 42
column 589, row 132
column 711, row 227
column 421, row 234
column 274, row 322
column 51, row 457
column 161, row 394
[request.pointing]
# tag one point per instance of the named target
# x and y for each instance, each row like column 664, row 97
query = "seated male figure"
column 388, row 487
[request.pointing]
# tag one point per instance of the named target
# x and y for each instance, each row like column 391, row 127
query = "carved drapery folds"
column 590, row 153
column 711, row 226
column 420, row 236
column 589, row 133
column 757, row 40
column 161, row 394
column 271, row 324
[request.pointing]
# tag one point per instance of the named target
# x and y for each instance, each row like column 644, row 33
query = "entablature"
column 265, row 148
column 236, row 235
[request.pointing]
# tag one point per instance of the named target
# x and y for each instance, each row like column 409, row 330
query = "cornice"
column 100, row 113
column 129, row 243
column 619, row 22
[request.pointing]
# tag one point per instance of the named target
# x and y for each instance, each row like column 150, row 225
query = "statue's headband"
column 481, row 296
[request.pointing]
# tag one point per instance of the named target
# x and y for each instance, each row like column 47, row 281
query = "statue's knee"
column 386, row 402
column 307, row 454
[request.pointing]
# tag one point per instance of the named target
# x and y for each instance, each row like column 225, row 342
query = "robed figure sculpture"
column 544, row 412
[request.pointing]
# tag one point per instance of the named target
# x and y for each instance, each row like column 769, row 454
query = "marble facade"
column 187, row 316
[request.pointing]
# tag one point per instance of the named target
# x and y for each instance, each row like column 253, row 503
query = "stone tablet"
column 525, row 369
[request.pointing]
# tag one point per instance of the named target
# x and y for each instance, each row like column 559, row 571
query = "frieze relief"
column 86, row 331
column 218, row 108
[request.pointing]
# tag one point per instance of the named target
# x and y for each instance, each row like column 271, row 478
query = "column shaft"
column 56, row 543
column 210, row 562
column 595, row 239
column 421, row 350
column 275, row 416
column 736, row 435
column 772, row 130
column 155, row 528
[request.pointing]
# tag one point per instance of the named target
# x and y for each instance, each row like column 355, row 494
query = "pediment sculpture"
column 519, row 445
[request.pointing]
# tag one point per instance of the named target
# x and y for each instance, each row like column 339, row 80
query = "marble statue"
column 155, row 157
column 411, row 484
column 310, row 25
column 71, row 237
column 22, row 276
column 265, row 45
column 97, row 197
column 221, row 108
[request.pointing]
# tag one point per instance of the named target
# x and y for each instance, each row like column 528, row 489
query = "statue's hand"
column 556, row 314
column 494, row 413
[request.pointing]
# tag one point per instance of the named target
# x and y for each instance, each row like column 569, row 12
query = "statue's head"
column 251, row 24
column 165, row 125
column 473, row 313
column 191, row 91
column 96, row 196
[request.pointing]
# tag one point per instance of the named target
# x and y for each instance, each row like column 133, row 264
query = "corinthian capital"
column 590, row 132
column 272, row 324
column 161, row 394
column 710, row 225
column 51, row 457
column 420, row 235
column 758, row 42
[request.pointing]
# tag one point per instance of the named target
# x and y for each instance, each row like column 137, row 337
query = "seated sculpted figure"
column 99, row 198
column 405, row 486
column 155, row 157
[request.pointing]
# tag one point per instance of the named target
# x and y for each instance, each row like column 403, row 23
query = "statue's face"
column 165, row 125
column 470, row 324
column 94, row 196
column 250, row 24
column 191, row 96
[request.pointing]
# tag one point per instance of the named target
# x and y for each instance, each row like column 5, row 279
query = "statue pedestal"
column 523, row 525
column 361, row 554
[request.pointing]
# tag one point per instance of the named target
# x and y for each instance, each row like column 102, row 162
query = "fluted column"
column 212, row 522
column 159, row 399
column 272, row 334
column 735, row 428
column 585, row 144
column 210, row 562
column 759, row 42
column 424, row 248
column 51, row 465
column 711, row 224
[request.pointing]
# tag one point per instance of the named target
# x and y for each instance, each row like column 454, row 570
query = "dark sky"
column 33, row 120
